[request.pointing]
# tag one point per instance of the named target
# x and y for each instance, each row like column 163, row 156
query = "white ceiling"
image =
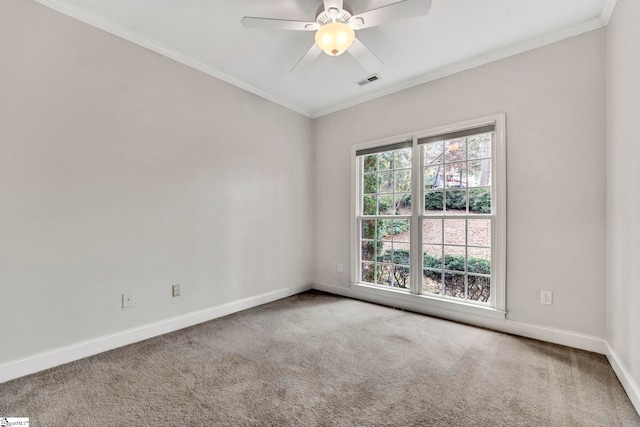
column 454, row 36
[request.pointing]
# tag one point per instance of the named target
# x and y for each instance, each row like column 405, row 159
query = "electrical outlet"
column 175, row 290
column 339, row 268
column 127, row 300
column 546, row 297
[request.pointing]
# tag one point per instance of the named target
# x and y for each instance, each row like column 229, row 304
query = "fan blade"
column 333, row 3
column 278, row 24
column 307, row 58
column 367, row 58
column 404, row 9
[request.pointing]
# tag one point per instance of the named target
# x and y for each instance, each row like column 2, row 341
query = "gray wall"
column 121, row 170
column 554, row 98
column 623, row 214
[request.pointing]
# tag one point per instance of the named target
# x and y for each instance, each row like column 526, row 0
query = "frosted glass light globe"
column 335, row 38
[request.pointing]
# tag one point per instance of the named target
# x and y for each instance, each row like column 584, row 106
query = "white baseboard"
column 628, row 382
column 29, row 365
column 542, row 333
column 59, row 356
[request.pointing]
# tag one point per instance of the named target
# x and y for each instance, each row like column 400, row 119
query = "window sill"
column 424, row 303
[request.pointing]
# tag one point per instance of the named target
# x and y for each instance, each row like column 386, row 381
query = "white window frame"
column 497, row 306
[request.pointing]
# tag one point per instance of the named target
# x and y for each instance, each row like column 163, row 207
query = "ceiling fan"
column 335, row 27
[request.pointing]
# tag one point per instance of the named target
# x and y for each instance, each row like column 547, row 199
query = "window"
column 451, row 247
column 386, row 214
column 457, row 215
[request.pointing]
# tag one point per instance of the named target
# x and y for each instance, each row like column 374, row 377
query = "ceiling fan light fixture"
column 335, row 38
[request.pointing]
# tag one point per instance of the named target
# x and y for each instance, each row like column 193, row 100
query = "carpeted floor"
column 321, row 360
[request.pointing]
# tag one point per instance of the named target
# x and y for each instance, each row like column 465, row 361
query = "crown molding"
column 118, row 30
column 607, row 11
column 477, row 61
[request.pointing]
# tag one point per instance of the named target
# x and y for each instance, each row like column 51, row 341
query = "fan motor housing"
column 323, row 17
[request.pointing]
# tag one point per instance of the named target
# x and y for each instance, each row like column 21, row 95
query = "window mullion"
column 416, row 211
column 356, row 213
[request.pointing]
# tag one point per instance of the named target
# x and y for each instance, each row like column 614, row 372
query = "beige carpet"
column 321, row 360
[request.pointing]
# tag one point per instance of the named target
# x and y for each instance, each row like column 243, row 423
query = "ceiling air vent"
column 369, row 79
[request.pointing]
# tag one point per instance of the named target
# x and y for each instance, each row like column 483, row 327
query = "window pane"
column 432, row 231
column 433, row 203
column 371, row 183
column 432, row 281
column 456, row 202
column 454, row 258
column 454, row 285
column 403, row 204
column 480, row 200
column 479, row 288
column 369, row 205
column 480, row 173
column 385, row 227
column 385, row 161
column 400, row 230
column 383, row 274
column 385, row 252
column 385, row 182
column 401, row 253
column 368, row 273
column 401, row 277
column 385, row 205
column 479, row 232
column 479, row 260
column 402, row 181
column 456, row 150
column 433, row 153
column 368, row 251
column 454, row 231
column 402, row 159
column 456, row 176
column 432, row 256
column 480, row 146
column 371, row 163
column 369, row 229
column 433, row 177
